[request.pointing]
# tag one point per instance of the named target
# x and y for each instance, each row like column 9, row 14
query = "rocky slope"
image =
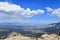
column 16, row 36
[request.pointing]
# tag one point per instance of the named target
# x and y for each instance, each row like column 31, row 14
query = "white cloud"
column 13, row 10
column 53, row 12
column 49, row 9
column 56, row 12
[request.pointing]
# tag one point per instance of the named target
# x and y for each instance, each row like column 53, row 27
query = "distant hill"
column 52, row 28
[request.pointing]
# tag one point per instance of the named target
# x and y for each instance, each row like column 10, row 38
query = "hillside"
column 52, row 28
column 17, row 36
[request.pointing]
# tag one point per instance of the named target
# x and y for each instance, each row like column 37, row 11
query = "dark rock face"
column 59, row 33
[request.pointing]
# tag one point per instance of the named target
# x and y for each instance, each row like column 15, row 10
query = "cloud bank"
column 53, row 12
column 16, row 11
column 8, row 10
column 56, row 12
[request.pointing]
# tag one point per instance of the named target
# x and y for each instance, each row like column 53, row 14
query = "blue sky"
column 49, row 12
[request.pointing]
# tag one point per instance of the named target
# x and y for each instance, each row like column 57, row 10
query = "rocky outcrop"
column 17, row 36
column 50, row 37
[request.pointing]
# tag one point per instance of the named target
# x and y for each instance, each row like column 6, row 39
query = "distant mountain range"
column 52, row 28
column 6, row 29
